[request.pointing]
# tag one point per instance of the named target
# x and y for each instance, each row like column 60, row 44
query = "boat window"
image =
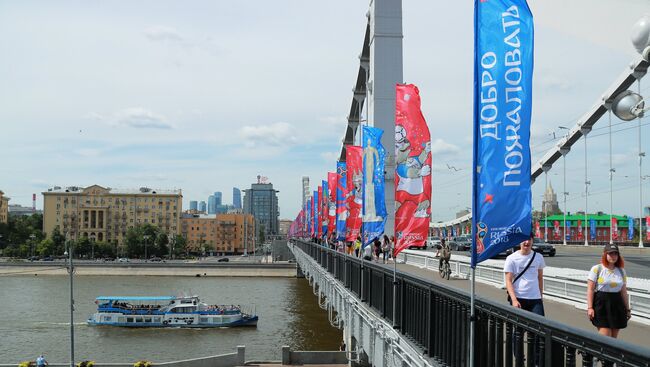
column 108, row 318
column 203, row 320
column 147, row 319
column 138, row 319
column 156, row 319
column 120, row 319
column 129, row 319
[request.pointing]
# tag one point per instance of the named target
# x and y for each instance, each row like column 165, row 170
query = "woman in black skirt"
column 608, row 305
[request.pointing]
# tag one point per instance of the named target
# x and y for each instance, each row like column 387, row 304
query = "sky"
column 204, row 96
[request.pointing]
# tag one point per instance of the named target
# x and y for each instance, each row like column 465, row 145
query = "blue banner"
column 568, row 230
column 341, row 204
column 630, row 228
column 592, row 229
column 503, row 75
column 324, row 210
column 374, row 202
column 309, row 217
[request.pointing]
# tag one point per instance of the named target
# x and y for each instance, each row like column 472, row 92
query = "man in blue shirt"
column 41, row 362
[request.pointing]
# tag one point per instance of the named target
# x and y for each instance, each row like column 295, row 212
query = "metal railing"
column 435, row 317
column 559, row 287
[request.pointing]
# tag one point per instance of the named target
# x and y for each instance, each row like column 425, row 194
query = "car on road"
column 460, row 244
column 223, row 260
column 48, row 258
column 543, row 248
column 433, row 242
column 33, row 258
column 123, row 260
column 155, row 259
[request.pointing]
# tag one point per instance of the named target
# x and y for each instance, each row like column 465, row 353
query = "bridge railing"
column 435, row 317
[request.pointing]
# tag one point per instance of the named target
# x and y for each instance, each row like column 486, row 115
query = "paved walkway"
column 636, row 333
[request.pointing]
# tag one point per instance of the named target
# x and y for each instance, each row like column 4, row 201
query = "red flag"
column 412, row 170
column 556, row 232
column 580, row 229
column 331, row 202
column 312, row 230
column 538, row 233
column 354, row 159
column 647, row 228
column 614, row 228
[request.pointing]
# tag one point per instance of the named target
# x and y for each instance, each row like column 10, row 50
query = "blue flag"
column 315, row 213
column 341, row 205
column 568, row 230
column 374, row 205
column 503, row 74
column 630, row 228
column 309, row 217
column 592, row 228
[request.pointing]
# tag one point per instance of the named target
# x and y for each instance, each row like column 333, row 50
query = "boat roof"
column 131, row 298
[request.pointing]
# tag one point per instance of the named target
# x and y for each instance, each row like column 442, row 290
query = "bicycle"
column 444, row 269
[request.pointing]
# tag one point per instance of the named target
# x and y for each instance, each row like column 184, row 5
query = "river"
column 34, row 319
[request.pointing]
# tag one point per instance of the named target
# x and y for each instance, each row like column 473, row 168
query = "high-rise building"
column 4, row 207
column 261, row 201
column 212, row 205
column 236, row 198
column 203, row 207
column 194, row 205
column 217, row 197
column 550, row 205
column 105, row 214
column 305, row 190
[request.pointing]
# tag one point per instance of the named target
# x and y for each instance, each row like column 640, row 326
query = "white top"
column 367, row 251
column 610, row 281
column 527, row 286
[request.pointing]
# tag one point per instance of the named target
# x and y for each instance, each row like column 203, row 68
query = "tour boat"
column 169, row 311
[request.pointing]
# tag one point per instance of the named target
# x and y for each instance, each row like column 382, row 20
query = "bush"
column 86, row 364
column 27, row 364
column 142, row 364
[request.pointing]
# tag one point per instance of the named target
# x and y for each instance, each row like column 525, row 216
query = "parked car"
column 155, row 259
column 543, row 248
column 48, row 258
column 433, row 242
column 33, row 258
column 123, row 260
column 223, row 260
column 461, row 244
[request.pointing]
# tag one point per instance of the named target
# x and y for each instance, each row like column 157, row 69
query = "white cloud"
column 141, row 118
column 277, row 134
column 160, row 33
column 554, row 83
column 441, row 147
column 330, row 156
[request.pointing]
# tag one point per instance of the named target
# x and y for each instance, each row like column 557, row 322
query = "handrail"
column 436, row 318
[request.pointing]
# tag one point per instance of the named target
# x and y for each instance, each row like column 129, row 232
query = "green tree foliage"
column 156, row 241
column 179, row 246
column 17, row 235
column 46, row 247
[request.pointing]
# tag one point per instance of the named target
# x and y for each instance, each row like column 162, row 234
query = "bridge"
column 409, row 320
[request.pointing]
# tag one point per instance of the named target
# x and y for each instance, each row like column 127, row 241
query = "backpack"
column 445, row 253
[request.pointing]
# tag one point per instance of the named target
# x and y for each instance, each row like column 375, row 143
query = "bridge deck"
column 636, row 333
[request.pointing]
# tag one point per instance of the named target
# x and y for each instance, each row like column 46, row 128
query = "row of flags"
column 351, row 202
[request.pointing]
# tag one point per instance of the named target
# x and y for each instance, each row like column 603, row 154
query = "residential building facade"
column 4, row 207
column 106, row 214
column 261, row 201
column 220, row 233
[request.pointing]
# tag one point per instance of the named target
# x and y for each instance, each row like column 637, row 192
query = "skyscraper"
column 212, row 205
column 261, row 201
column 194, row 205
column 236, row 198
column 203, row 207
column 218, row 197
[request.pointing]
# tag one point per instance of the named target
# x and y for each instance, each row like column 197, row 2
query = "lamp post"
column 70, row 269
column 145, row 238
column 31, row 242
column 564, row 151
column 586, row 131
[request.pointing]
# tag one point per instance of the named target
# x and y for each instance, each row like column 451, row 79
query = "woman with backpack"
column 608, row 305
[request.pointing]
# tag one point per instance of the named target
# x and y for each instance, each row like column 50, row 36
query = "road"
column 637, row 261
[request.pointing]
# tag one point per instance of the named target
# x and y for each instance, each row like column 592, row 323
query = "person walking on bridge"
column 608, row 305
column 525, row 278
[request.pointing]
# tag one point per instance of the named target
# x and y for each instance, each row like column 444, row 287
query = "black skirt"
column 609, row 311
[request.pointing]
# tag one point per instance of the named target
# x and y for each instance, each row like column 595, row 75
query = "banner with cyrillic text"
column 503, row 75
column 341, row 203
column 353, row 159
column 331, row 203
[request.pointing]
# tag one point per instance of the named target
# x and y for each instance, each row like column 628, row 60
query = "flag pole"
column 394, row 287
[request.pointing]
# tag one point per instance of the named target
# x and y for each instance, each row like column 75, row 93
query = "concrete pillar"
column 286, row 355
column 386, row 70
column 241, row 354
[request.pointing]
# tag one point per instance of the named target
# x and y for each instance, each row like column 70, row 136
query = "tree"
column 180, row 245
column 161, row 244
column 58, row 240
column 82, row 247
column 261, row 237
column 46, row 247
column 135, row 242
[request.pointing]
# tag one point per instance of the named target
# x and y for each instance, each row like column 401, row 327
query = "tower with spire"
column 550, row 204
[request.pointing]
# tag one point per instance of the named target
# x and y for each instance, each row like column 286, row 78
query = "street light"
column 70, row 270
column 31, row 242
column 145, row 237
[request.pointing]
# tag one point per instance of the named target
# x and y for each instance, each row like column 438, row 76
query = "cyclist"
column 444, row 252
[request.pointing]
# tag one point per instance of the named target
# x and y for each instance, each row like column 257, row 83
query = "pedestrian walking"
column 41, row 362
column 524, row 271
column 377, row 248
column 608, row 305
column 357, row 247
column 385, row 248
